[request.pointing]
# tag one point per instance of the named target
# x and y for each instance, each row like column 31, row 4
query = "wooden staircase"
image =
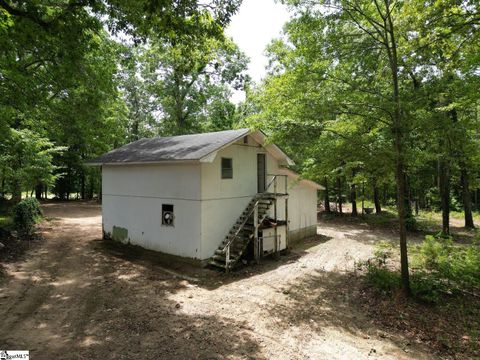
column 245, row 229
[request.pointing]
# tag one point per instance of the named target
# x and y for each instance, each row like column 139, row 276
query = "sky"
column 252, row 28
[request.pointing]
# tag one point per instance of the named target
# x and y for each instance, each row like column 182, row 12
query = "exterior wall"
column 223, row 200
column 302, row 210
column 132, row 206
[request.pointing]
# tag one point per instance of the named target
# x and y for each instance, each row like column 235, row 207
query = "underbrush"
column 437, row 266
column 444, row 310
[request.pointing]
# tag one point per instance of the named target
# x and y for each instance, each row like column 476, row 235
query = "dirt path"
column 75, row 297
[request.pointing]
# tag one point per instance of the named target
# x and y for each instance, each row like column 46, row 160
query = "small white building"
column 210, row 197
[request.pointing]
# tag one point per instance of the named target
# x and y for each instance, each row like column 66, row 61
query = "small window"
column 245, row 139
column 227, row 169
column 167, row 215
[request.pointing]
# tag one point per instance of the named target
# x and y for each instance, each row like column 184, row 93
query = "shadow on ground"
column 114, row 311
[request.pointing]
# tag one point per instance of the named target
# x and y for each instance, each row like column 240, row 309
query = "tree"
column 191, row 82
column 59, row 72
column 26, row 160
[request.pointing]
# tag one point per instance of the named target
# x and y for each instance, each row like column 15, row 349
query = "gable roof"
column 195, row 147
column 297, row 177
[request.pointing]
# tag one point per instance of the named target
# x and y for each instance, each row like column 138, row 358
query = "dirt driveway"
column 76, row 297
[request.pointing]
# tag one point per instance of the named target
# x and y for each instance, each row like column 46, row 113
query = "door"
column 261, row 172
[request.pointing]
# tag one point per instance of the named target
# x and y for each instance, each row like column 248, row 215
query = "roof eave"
column 159, row 162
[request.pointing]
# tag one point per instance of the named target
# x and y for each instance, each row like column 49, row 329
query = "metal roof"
column 173, row 148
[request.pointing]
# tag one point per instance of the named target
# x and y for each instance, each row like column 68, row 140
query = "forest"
column 376, row 100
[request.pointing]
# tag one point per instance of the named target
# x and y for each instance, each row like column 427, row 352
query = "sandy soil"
column 76, row 296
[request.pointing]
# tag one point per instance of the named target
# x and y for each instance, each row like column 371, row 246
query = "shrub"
column 440, row 267
column 427, row 287
column 458, row 265
column 25, row 214
column 383, row 279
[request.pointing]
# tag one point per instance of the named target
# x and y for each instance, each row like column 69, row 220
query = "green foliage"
column 384, row 280
column 439, row 267
column 457, row 264
column 65, row 80
column 189, row 83
column 26, row 159
column 25, row 215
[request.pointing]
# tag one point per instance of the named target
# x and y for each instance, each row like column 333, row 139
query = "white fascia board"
column 164, row 162
column 209, row 158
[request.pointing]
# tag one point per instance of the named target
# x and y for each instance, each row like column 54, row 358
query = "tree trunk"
column 82, row 186
column 363, row 197
column 339, row 194
column 476, row 199
column 16, row 191
column 416, row 206
column 327, row 197
column 467, row 200
column 38, row 191
column 2, row 189
column 376, row 200
column 444, row 184
column 397, row 130
column 353, row 199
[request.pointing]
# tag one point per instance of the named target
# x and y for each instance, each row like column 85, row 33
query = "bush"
column 383, row 279
column 458, row 265
column 25, row 215
column 440, row 267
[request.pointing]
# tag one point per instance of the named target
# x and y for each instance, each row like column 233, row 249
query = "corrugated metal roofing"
column 173, row 148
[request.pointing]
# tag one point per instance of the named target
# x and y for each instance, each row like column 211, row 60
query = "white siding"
column 302, row 205
column 223, row 200
column 133, row 198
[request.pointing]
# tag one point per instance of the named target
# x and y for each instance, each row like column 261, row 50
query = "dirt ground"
column 75, row 296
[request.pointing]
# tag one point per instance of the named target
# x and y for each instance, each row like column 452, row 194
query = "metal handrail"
column 226, row 248
column 274, row 179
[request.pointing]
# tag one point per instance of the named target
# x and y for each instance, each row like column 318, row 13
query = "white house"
column 213, row 197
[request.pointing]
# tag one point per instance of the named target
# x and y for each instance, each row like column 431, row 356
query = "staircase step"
column 241, row 232
column 221, row 258
column 218, row 264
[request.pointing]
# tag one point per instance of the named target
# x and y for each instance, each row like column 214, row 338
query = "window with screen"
column 227, row 168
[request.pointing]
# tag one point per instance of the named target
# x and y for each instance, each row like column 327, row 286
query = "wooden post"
column 227, row 259
column 276, row 227
column 286, row 214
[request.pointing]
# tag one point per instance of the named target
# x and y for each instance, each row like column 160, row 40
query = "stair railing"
column 226, row 248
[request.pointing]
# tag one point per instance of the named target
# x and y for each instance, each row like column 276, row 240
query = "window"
column 227, row 168
column 167, row 215
column 245, row 139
